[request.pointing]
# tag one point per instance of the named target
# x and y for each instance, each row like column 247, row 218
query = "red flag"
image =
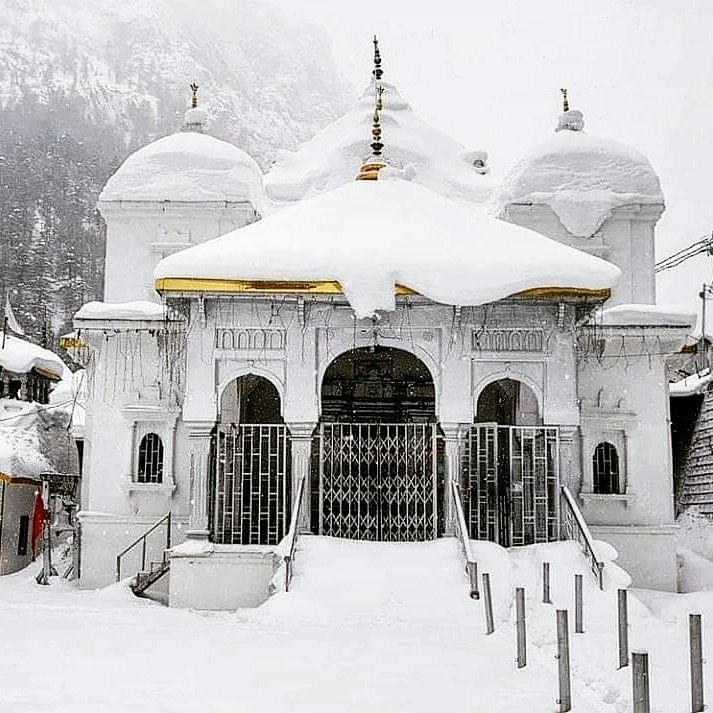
column 38, row 522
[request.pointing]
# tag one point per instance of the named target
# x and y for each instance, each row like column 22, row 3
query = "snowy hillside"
column 84, row 84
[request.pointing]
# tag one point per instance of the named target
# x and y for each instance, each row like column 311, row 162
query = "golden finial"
column 377, row 71
column 565, row 100
column 194, row 97
column 369, row 170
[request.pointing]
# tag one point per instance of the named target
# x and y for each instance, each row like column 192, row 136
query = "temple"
column 390, row 358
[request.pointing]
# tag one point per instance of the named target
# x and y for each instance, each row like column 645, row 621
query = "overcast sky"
column 489, row 73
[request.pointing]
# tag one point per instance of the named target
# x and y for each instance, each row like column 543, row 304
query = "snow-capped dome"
column 411, row 147
column 581, row 177
column 367, row 237
column 187, row 166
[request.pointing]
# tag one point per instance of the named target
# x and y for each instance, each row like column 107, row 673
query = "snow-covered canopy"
column 333, row 157
column 187, row 166
column 21, row 357
column 372, row 235
column 641, row 315
column 581, row 177
column 691, row 385
column 141, row 310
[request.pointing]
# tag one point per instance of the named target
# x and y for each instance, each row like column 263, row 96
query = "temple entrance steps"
column 395, row 606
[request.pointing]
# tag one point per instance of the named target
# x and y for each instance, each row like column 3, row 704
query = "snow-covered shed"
column 370, row 356
column 27, row 372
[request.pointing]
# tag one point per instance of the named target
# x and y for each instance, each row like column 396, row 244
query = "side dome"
column 188, row 166
column 582, row 178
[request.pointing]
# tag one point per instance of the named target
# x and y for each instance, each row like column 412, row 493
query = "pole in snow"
column 640, row 678
column 521, row 632
column 565, row 684
column 623, row 628
column 546, row 583
column 578, row 605
column 488, row 601
column 696, row 644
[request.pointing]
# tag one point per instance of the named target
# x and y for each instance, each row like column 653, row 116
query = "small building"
column 375, row 341
column 27, row 372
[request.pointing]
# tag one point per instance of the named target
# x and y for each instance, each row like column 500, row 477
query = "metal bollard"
column 520, row 623
column 565, row 684
column 640, row 676
column 488, row 601
column 623, row 628
column 546, row 583
column 696, row 644
column 578, row 605
column 472, row 569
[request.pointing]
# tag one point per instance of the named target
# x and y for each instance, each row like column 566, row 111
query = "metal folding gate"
column 511, row 483
column 252, row 484
column 377, row 481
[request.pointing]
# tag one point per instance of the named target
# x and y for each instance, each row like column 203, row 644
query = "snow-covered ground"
column 367, row 627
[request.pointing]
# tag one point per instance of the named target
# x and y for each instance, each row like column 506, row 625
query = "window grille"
column 605, row 465
column 150, row 459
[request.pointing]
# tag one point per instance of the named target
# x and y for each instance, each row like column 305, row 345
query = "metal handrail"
column 142, row 539
column 576, row 529
column 471, row 565
column 293, row 533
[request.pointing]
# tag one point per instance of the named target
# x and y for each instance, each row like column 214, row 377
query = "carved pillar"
column 452, row 434
column 301, row 446
column 199, row 437
column 570, row 465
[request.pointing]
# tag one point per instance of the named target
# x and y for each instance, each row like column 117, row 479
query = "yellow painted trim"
column 331, row 287
column 72, row 343
column 202, row 284
column 5, row 478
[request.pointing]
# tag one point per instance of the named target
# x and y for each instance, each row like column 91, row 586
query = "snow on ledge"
column 641, row 315
column 141, row 310
column 20, row 356
column 372, row 235
column 691, row 385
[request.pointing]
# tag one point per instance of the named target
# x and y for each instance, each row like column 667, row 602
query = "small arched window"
column 150, row 459
column 605, row 466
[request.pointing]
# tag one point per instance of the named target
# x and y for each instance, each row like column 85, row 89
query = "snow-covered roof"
column 581, row 177
column 333, row 157
column 187, row 166
column 642, row 315
column 140, row 310
column 691, row 385
column 369, row 236
column 20, row 356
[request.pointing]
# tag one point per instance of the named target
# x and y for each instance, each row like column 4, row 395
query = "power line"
column 703, row 245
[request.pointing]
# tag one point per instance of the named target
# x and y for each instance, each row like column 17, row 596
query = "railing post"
column 488, row 601
column 640, row 676
column 521, row 632
column 565, row 685
column 696, row 645
column 168, row 531
column 578, row 605
column 546, row 583
column 118, row 568
column 472, row 569
column 623, row 628
column 143, row 554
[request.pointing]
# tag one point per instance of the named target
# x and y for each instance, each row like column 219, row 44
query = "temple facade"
column 378, row 353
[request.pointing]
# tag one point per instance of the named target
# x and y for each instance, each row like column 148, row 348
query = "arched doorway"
column 510, row 468
column 378, row 454
column 251, row 484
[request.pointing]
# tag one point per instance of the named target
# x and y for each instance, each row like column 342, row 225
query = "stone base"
column 220, row 577
column 646, row 552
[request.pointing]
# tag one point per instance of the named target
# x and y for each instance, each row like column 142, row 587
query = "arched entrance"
column 378, row 454
column 510, row 468
column 251, row 483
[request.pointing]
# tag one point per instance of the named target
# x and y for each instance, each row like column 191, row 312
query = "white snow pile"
column 187, row 166
column 20, row 447
column 20, row 356
column 582, row 178
column 691, row 385
column 140, row 310
column 411, row 147
column 372, row 235
column 643, row 315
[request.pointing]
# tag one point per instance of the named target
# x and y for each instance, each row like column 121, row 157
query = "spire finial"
column 377, row 72
column 565, row 100
column 369, row 170
column 194, row 95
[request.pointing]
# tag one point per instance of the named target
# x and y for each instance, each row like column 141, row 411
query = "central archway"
column 379, row 464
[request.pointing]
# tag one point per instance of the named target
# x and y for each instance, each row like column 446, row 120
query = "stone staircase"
column 143, row 583
column 696, row 491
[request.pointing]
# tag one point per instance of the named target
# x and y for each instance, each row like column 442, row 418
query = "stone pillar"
column 570, row 464
column 452, row 434
column 301, row 445
column 199, row 437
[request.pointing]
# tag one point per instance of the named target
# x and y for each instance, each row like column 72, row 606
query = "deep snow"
column 367, row 626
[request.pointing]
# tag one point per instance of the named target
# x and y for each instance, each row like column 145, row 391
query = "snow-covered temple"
column 386, row 353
